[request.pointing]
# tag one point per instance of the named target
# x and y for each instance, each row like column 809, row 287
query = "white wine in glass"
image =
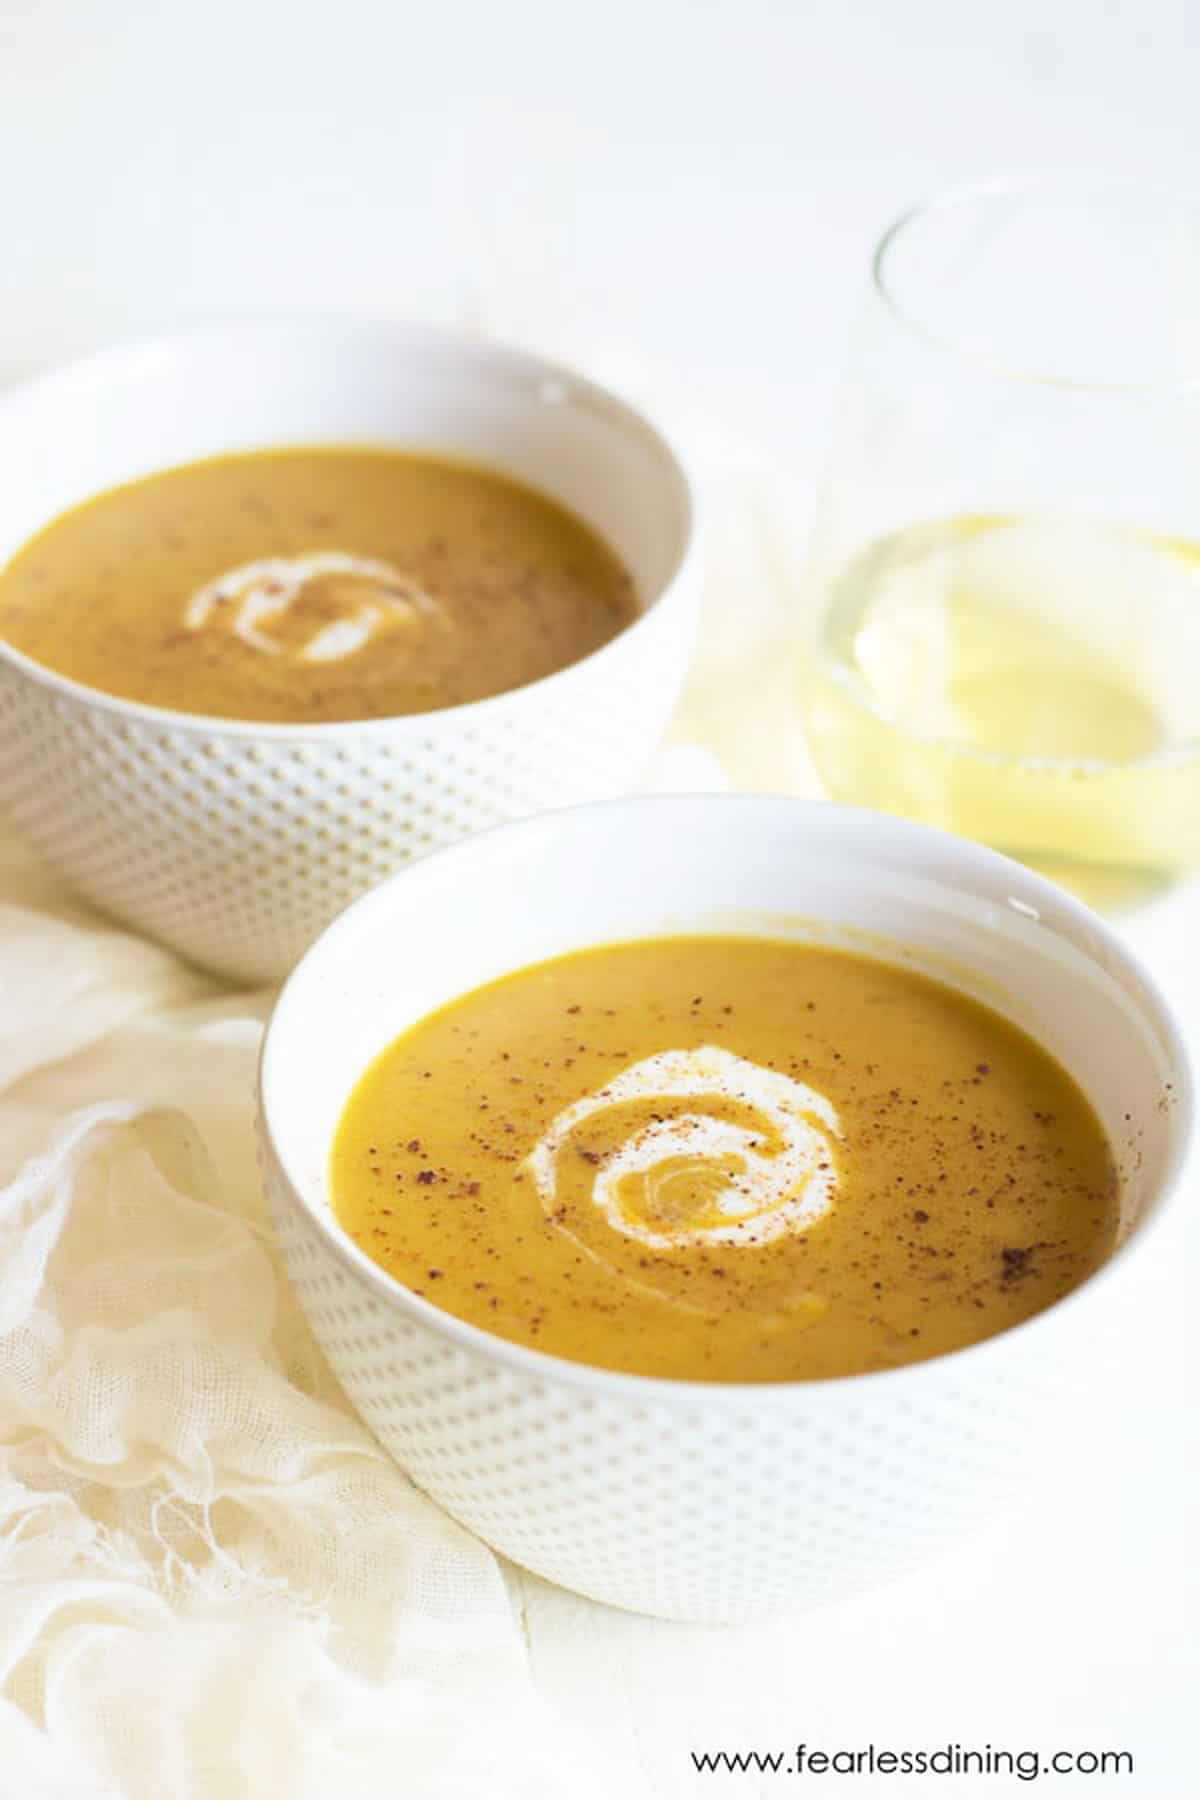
column 1003, row 635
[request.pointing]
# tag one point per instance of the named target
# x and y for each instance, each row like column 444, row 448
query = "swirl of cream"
column 246, row 599
column 738, row 1183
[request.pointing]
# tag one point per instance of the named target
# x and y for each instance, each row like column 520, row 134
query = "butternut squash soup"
column 726, row 1159
column 303, row 585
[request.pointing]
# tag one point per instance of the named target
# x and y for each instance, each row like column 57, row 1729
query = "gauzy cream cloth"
column 213, row 1582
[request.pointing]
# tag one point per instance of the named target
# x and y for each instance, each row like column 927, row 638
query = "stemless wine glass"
column 1004, row 629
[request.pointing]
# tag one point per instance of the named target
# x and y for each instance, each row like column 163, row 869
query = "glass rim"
column 975, row 193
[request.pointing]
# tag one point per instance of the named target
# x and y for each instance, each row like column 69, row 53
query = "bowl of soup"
column 284, row 605
column 711, row 1200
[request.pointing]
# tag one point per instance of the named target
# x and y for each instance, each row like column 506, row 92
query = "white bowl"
column 692, row 1500
column 235, row 842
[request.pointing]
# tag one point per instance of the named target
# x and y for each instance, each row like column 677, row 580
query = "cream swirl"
column 689, row 1176
column 363, row 595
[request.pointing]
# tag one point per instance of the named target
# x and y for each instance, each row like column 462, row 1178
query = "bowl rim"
column 125, row 353
column 544, row 1366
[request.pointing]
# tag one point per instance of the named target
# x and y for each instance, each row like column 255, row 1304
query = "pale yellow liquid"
column 1033, row 683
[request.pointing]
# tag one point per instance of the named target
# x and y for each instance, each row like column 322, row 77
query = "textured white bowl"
column 682, row 1499
column 235, row 843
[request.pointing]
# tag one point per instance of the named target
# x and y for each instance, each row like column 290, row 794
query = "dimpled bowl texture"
column 235, row 843
column 690, row 1500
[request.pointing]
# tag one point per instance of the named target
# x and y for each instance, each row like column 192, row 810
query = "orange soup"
column 726, row 1159
column 307, row 585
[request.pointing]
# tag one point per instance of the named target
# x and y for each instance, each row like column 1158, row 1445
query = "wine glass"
column 1003, row 628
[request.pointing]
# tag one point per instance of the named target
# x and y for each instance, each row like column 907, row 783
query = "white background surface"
column 688, row 190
